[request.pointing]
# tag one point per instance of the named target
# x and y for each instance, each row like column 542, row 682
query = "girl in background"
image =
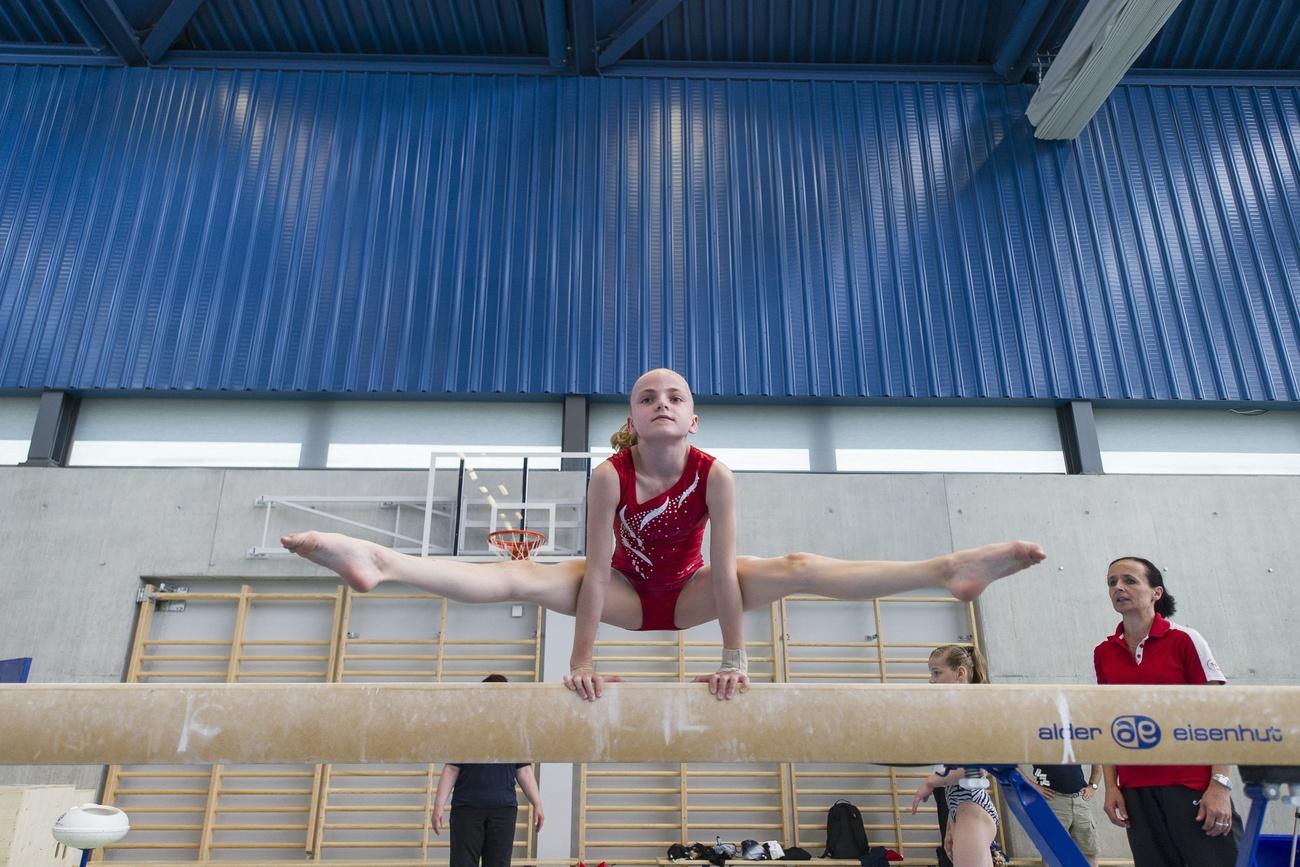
column 972, row 818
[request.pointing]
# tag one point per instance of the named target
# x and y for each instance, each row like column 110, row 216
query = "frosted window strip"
column 1202, row 463
column 868, row 439
column 14, row 451
column 1198, row 430
column 165, row 453
column 948, row 461
column 17, row 418
column 417, row 456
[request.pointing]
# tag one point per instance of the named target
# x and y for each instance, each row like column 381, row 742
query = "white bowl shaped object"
column 91, row 826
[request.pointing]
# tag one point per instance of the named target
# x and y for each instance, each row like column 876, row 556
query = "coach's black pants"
column 1163, row 831
column 482, row 832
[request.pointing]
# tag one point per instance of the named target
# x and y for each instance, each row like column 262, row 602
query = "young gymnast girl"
column 647, row 508
column 972, row 818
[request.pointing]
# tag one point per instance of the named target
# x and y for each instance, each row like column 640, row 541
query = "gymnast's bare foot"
column 975, row 569
column 358, row 562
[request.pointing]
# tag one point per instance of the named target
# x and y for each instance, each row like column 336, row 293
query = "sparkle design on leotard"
column 669, row 510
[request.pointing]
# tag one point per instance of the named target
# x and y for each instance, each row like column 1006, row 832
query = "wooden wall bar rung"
column 408, row 723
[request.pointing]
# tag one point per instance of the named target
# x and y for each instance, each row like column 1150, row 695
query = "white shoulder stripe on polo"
column 1212, row 671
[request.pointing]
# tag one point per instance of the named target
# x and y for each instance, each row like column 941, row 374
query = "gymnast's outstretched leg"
column 554, row 586
column 764, row 580
column 965, row 574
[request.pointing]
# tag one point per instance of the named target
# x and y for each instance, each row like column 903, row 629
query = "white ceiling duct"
column 1103, row 44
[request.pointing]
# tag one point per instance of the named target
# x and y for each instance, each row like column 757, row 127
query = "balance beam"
column 419, row 723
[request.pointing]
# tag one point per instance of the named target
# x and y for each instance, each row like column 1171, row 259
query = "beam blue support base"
column 1254, row 824
column 15, row 670
column 1264, row 783
column 1040, row 823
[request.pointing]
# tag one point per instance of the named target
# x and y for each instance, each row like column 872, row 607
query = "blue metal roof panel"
column 410, row 233
column 400, row 27
column 1201, row 34
column 1224, row 34
column 35, row 22
column 831, row 31
column 141, row 14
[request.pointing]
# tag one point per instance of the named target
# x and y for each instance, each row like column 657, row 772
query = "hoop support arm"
column 886, row 724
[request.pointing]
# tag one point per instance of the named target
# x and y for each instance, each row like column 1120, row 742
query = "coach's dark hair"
column 1165, row 604
column 495, row 678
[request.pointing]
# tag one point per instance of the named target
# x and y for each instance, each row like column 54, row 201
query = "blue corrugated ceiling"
column 1202, row 34
column 1226, row 34
column 409, row 233
column 399, row 27
column 831, row 31
column 35, row 22
column 774, row 31
column 141, row 14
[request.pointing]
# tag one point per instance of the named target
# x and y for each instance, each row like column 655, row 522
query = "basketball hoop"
column 516, row 544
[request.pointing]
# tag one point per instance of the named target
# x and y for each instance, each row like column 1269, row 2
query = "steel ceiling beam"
column 632, row 29
column 1032, row 26
column 582, row 21
column 86, row 29
column 168, row 27
column 557, row 32
column 1019, row 36
column 117, row 30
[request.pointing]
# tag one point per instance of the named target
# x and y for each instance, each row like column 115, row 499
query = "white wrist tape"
column 734, row 660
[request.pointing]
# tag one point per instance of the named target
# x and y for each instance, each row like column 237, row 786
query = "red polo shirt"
column 1170, row 654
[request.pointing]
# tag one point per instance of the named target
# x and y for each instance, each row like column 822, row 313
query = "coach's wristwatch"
column 1223, row 780
column 1092, row 786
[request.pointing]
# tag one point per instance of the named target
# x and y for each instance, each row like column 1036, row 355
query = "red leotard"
column 657, row 543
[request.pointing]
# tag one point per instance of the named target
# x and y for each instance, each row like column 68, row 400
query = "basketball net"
column 516, row 544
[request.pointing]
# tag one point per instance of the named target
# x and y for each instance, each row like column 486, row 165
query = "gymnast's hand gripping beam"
column 45, row 723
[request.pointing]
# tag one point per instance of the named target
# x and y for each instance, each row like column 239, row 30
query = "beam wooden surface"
column 888, row 724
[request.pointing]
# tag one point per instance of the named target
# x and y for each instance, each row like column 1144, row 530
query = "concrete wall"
column 78, row 541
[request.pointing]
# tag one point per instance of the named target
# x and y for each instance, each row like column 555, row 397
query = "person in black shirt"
column 1068, row 794
column 484, row 807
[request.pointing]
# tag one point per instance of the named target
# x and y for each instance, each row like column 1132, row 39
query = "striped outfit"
column 955, row 795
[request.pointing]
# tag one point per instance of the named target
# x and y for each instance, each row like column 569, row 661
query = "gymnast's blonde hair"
column 623, row 438
column 956, row 655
